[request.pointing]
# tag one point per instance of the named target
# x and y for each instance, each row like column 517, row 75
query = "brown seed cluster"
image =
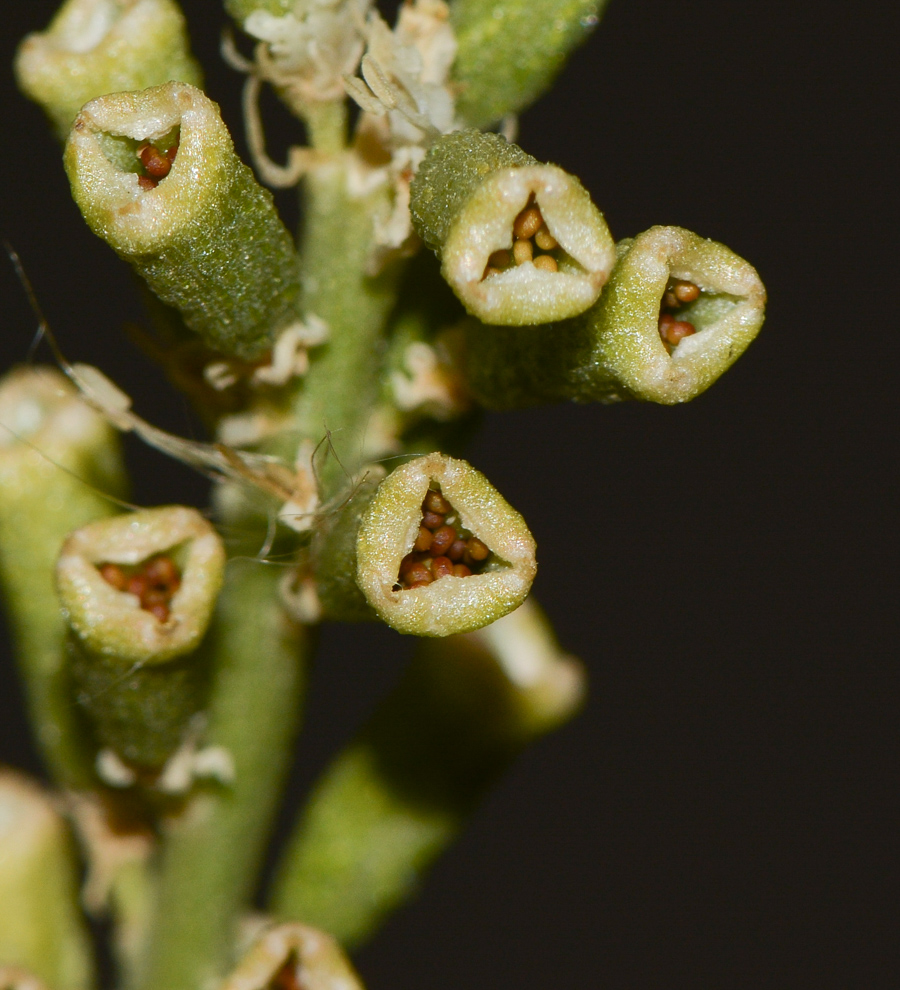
column 154, row 583
column 287, row 977
column 441, row 549
column 157, row 164
column 672, row 331
column 530, row 232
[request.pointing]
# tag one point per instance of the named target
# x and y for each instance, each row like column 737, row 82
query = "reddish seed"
column 154, row 161
column 678, row 330
column 407, row 562
column 160, row 611
column 154, row 596
column 435, row 502
column 417, row 574
column 456, row 551
column 500, row 259
column 137, row 585
column 442, row 567
column 423, row 540
column 114, row 575
column 145, row 182
column 171, row 152
column 432, row 520
column 477, row 549
column 162, row 571
column 286, row 978
column 669, row 300
column 418, row 584
column 444, row 538
column 460, row 570
column 489, row 271
column 686, row 292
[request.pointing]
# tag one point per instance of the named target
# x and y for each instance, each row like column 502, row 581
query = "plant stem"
column 343, row 384
column 213, row 850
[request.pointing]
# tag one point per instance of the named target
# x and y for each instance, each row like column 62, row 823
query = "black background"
column 724, row 813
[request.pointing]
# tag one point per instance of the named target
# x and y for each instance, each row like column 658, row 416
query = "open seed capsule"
column 293, row 957
column 677, row 312
column 138, row 592
column 449, row 602
column 478, row 201
column 184, row 223
column 716, row 302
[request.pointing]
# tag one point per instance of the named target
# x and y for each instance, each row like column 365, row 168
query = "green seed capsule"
column 57, row 459
column 94, row 47
column 615, row 350
column 390, row 526
column 400, row 793
column 467, row 202
column 293, row 955
column 42, row 931
column 135, row 668
column 187, row 232
column 511, row 51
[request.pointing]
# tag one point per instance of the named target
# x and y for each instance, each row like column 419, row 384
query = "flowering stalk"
column 399, row 794
column 324, row 370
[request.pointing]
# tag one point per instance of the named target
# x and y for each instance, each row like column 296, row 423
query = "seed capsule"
column 475, row 197
column 388, row 530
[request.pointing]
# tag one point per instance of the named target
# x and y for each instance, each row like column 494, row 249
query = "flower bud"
column 401, row 792
column 293, row 955
column 509, row 52
column 138, row 592
column 640, row 341
column 42, row 932
column 488, row 209
column 94, row 47
column 156, row 176
column 438, row 603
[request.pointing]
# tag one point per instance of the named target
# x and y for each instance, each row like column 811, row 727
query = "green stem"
column 343, row 384
column 326, row 125
column 212, row 852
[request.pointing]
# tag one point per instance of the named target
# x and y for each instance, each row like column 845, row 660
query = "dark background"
column 724, row 813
